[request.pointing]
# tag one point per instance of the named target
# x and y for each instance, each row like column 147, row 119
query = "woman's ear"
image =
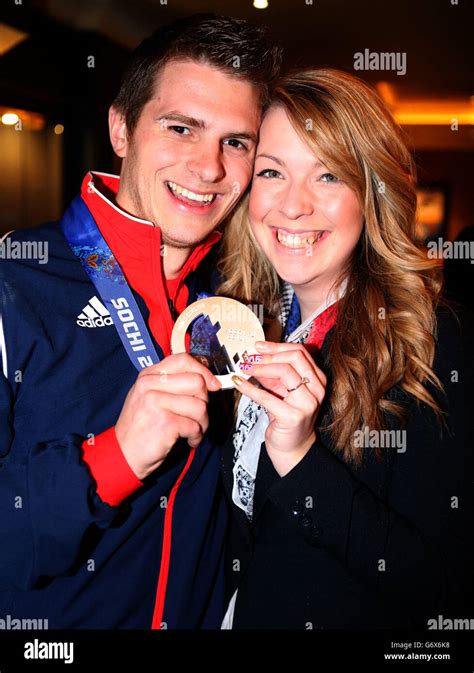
column 118, row 132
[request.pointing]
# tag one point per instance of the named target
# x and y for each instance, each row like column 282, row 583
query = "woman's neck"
column 311, row 298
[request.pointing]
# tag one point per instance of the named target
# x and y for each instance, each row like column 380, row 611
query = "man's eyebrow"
column 200, row 124
column 242, row 135
column 183, row 119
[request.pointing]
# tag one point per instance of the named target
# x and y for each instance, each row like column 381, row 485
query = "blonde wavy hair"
column 384, row 336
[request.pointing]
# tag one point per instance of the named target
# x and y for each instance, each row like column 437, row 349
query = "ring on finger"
column 303, row 382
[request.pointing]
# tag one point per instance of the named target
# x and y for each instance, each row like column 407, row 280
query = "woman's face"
column 305, row 219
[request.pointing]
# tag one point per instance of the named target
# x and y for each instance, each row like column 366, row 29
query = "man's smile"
column 187, row 195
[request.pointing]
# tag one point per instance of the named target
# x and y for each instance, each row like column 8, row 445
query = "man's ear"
column 118, row 132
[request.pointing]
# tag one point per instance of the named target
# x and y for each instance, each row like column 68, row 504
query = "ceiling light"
column 26, row 120
column 10, row 118
column 260, row 4
column 427, row 112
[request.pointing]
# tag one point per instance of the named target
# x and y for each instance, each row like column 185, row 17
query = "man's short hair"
column 231, row 45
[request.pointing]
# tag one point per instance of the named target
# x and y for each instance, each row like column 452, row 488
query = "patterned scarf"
column 252, row 421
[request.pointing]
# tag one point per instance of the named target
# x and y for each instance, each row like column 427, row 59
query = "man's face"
column 191, row 155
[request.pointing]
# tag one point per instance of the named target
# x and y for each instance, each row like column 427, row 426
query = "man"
column 110, row 519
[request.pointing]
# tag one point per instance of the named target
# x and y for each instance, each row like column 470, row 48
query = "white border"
column 3, row 349
column 3, row 345
column 7, row 234
column 104, row 198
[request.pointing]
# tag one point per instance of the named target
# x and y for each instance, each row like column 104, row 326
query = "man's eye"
column 269, row 173
column 329, row 177
column 234, row 142
column 180, row 130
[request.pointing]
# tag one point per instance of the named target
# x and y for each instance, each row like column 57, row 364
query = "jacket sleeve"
column 412, row 544
column 114, row 478
column 48, row 503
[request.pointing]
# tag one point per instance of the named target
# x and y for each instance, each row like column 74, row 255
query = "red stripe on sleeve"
column 114, row 477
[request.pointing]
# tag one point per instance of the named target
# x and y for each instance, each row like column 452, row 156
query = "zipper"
column 166, row 549
column 159, row 283
column 173, row 311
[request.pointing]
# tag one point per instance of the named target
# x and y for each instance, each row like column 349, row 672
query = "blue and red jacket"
column 84, row 543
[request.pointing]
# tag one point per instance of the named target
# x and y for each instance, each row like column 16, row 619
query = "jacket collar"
column 99, row 191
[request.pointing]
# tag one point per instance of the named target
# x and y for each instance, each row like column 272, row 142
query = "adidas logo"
column 94, row 315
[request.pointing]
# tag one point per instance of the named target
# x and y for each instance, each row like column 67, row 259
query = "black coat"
column 387, row 544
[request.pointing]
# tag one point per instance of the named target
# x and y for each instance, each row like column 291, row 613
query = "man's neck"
column 173, row 258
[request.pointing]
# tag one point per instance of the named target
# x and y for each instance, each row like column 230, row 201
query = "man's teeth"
column 298, row 240
column 181, row 191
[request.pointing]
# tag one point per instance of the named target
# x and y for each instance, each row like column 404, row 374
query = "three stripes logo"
column 94, row 315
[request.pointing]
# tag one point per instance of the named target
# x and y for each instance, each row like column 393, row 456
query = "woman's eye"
column 329, row 177
column 269, row 173
column 180, row 130
column 237, row 144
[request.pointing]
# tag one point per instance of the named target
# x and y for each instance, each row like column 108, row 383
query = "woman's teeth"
column 203, row 199
column 298, row 240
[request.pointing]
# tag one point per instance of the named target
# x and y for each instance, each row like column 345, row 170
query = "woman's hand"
column 294, row 388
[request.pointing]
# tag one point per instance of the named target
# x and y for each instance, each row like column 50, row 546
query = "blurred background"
column 61, row 62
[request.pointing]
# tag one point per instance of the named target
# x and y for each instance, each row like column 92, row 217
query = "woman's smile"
column 297, row 242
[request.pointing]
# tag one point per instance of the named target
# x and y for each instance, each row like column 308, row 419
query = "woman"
column 348, row 470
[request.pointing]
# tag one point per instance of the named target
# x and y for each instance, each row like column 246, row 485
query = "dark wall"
column 50, row 73
column 70, row 77
column 456, row 171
